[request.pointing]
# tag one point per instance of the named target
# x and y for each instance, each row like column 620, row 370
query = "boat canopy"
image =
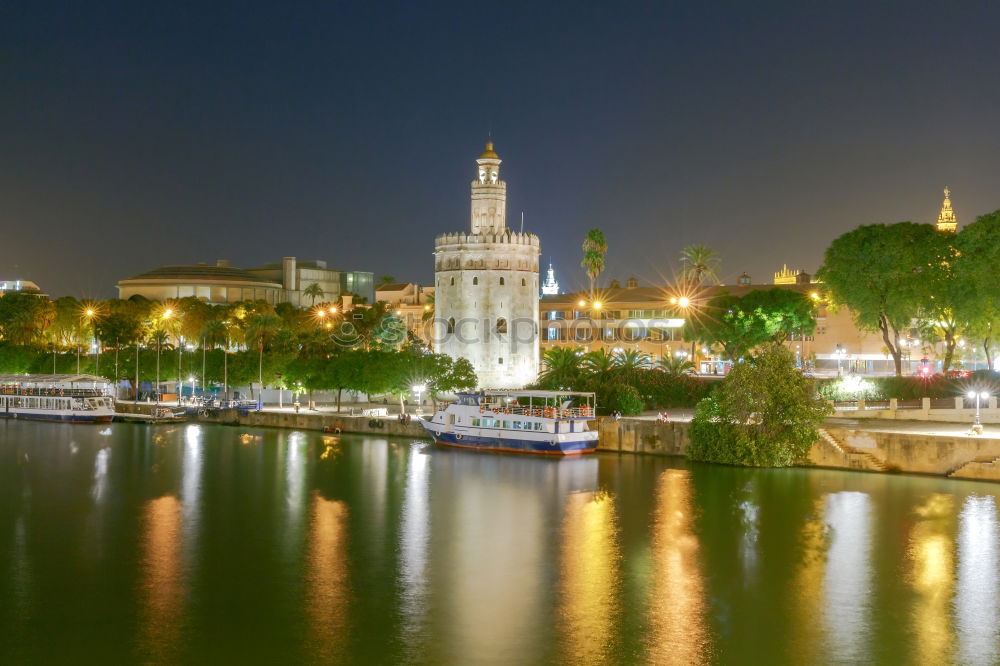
column 536, row 393
column 48, row 380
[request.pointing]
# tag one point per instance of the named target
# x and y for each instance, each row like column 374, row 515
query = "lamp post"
column 840, row 353
column 166, row 315
column 419, row 389
column 977, row 427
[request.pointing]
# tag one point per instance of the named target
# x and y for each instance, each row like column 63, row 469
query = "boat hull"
column 59, row 417
column 514, row 444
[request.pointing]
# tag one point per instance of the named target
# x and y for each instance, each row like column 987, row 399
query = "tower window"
column 501, row 325
column 500, row 361
column 451, row 326
column 475, row 281
column 523, row 283
column 501, row 282
column 453, row 282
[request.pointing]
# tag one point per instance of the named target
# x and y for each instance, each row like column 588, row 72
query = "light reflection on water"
column 285, row 547
column 678, row 631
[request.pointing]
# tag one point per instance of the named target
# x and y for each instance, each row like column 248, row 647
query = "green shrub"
column 624, row 398
column 764, row 414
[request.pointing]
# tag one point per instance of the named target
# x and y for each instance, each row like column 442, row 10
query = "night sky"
column 144, row 134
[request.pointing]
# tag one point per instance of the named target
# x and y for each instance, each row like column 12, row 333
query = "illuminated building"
column 486, row 287
column 279, row 282
column 550, row 287
column 946, row 218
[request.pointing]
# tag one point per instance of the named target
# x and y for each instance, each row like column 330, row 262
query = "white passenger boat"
column 66, row 398
column 546, row 422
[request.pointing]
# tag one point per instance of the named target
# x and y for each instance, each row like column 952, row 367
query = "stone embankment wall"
column 304, row 420
column 958, row 456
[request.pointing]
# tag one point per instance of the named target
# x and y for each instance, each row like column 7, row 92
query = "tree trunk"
column 339, row 391
column 949, row 351
column 402, row 407
column 897, row 359
column 986, row 350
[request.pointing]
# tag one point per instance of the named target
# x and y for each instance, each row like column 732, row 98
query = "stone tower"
column 486, row 296
column 946, row 218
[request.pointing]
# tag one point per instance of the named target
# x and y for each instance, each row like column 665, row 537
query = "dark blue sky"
column 143, row 134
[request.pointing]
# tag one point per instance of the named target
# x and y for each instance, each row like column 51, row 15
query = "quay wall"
column 958, row 456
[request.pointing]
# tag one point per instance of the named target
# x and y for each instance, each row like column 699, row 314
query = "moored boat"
column 65, row 398
column 541, row 422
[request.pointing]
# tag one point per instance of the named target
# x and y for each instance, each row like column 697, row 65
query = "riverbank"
column 943, row 449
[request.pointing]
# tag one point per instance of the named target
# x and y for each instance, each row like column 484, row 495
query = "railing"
column 54, row 392
column 543, row 412
column 957, row 409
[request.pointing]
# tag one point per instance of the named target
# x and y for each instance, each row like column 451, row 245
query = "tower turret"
column 489, row 194
column 946, row 218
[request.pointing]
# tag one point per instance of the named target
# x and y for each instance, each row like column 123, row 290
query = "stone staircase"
column 981, row 467
column 856, row 458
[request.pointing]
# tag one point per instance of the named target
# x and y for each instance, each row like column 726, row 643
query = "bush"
column 906, row 388
column 624, row 398
column 764, row 414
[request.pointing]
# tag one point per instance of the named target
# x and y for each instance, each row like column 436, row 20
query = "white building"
column 486, row 296
column 550, row 287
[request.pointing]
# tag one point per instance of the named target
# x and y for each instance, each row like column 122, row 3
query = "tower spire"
column 946, row 218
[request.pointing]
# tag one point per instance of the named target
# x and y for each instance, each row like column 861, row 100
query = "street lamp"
column 419, row 389
column 977, row 427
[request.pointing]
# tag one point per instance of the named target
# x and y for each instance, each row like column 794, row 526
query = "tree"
column 700, row 263
column 561, row 368
column 675, row 365
column 594, row 249
column 314, row 291
column 383, row 280
column 600, row 365
column 978, row 266
column 738, row 324
column 764, row 414
column 880, row 272
column 25, row 318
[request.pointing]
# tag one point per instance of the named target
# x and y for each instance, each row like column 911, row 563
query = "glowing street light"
column 419, row 389
column 977, row 427
column 684, row 301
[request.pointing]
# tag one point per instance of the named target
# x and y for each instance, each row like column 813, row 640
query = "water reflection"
column 932, row 576
column 161, row 593
column 807, row 628
column 327, row 579
column 679, row 634
column 588, row 565
column 847, row 583
column 977, row 609
column 100, row 475
column 415, row 532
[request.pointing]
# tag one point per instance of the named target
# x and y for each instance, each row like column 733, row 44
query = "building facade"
column 486, row 287
column 279, row 282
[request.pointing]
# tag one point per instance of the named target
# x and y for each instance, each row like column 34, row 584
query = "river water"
column 221, row 544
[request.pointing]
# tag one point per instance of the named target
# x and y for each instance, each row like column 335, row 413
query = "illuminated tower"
column 486, row 288
column 946, row 218
column 550, row 287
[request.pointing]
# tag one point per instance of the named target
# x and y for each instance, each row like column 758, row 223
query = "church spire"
column 946, row 218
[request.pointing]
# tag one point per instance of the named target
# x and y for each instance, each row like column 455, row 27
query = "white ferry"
column 547, row 422
column 65, row 398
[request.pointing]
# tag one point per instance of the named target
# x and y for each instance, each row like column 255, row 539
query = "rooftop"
column 200, row 272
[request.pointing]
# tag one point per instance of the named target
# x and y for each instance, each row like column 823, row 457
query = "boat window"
column 506, row 424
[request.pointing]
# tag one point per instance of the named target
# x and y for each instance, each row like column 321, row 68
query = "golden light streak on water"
column 932, row 570
column 677, row 609
column 807, row 635
column 327, row 593
column 589, row 578
column 162, row 592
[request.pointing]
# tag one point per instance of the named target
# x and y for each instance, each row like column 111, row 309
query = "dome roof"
column 489, row 153
column 201, row 272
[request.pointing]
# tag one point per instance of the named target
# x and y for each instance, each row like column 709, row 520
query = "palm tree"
column 600, row 365
column 259, row 330
column 675, row 365
column 384, row 280
column 562, row 367
column 594, row 249
column 631, row 361
column 700, row 263
column 314, row 291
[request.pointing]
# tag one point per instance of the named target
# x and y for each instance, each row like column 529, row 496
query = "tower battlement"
column 505, row 237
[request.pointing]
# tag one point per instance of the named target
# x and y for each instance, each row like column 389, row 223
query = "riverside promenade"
column 846, row 442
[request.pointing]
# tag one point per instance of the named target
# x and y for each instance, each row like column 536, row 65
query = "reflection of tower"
column 946, row 218
column 550, row 287
column 486, row 298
